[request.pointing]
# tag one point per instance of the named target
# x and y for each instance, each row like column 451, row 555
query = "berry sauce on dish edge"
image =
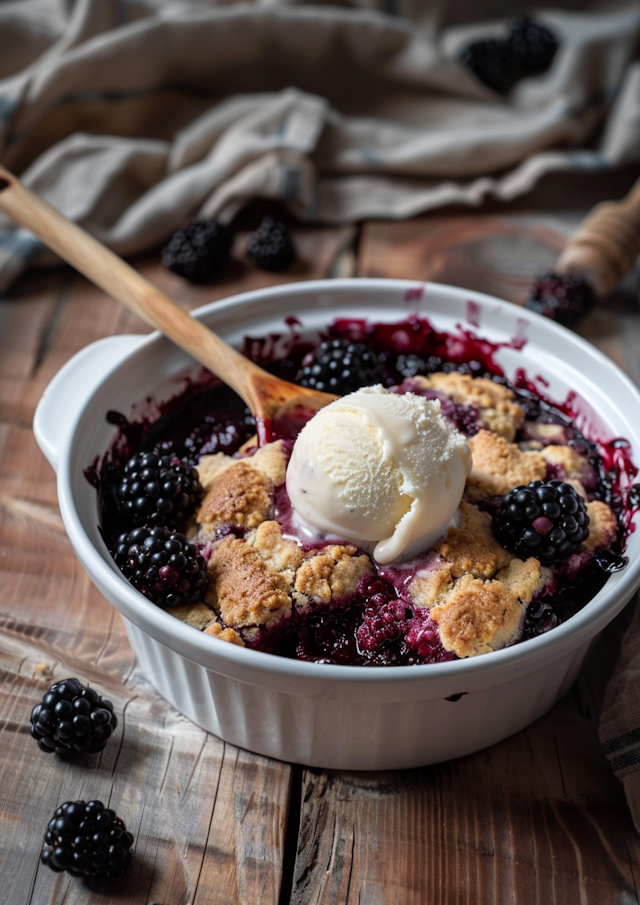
column 379, row 624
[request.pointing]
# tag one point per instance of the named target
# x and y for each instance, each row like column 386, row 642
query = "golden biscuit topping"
column 499, row 466
column 494, row 403
column 478, row 617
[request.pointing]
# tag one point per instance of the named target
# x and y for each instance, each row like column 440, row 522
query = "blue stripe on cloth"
column 290, row 181
column 21, row 244
column 621, row 741
column 628, row 759
column 7, row 106
column 111, row 96
column 121, row 12
column 587, row 160
column 370, row 157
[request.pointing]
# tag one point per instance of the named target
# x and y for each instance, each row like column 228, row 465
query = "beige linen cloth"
column 133, row 115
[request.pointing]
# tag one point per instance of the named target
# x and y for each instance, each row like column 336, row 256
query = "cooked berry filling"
column 378, row 623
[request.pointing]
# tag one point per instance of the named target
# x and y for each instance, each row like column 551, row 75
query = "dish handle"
column 74, row 383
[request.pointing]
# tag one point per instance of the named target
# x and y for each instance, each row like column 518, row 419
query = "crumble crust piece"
column 255, row 581
column 224, row 634
column 494, row 403
column 478, row 617
column 472, row 547
column 242, row 588
column 572, row 465
column 603, row 526
column 499, row 466
column 477, row 592
column 238, row 492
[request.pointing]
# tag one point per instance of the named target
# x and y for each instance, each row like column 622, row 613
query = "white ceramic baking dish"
column 321, row 715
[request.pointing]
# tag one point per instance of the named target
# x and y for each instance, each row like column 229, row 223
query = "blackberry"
column 380, row 636
column 157, row 488
column 72, row 717
column 409, row 364
column 492, row 61
column 162, row 565
column 338, row 366
column 270, row 246
column 212, row 436
column 545, row 520
column 562, row 298
column 533, row 45
column 199, row 251
column 87, row 839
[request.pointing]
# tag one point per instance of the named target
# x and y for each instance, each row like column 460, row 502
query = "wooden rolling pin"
column 606, row 245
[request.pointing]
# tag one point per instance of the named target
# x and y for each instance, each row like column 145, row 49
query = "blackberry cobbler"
column 198, row 517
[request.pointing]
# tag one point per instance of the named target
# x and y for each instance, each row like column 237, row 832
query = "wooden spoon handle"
column 110, row 272
column 606, row 244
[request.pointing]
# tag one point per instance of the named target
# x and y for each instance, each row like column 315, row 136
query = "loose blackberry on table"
column 271, row 247
column 338, row 366
column 199, row 251
column 158, row 488
column 162, row 565
column 87, row 839
column 545, row 520
column 74, row 717
column 563, row 298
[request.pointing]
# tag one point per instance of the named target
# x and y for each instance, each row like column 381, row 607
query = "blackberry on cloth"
column 499, row 63
column 157, row 488
column 87, row 839
column 492, row 62
column 72, row 717
column 545, row 520
column 162, row 565
column 532, row 44
column 340, row 367
column 199, row 251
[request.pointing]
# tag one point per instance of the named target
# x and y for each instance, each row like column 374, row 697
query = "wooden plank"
column 497, row 255
column 534, row 819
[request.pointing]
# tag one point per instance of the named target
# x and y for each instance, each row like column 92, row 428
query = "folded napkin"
column 133, row 115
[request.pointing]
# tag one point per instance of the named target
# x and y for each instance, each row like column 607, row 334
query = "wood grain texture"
column 535, row 819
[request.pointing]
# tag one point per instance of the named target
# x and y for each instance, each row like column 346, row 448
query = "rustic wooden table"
column 538, row 818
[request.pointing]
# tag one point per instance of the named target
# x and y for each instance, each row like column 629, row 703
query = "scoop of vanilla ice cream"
column 380, row 468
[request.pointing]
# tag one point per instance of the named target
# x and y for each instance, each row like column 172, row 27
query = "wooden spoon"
column 279, row 407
